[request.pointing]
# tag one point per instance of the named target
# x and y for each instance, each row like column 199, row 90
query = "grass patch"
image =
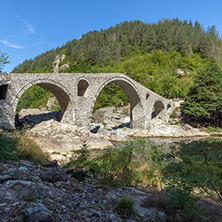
column 20, row 147
column 125, row 207
column 173, row 115
column 211, row 129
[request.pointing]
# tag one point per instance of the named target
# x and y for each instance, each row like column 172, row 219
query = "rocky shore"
column 47, row 193
column 33, row 193
column 108, row 125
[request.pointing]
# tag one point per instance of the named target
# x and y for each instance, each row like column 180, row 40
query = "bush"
column 196, row 168
column 82, row 166
column 131, row 163
column 173, row 115
column 174, row 202
column 125, row 206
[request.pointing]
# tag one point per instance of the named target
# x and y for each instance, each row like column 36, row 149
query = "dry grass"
column 28, row 149
column 18, row 146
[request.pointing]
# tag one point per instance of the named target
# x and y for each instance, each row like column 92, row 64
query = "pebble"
column 27, row 195
column 22, row 169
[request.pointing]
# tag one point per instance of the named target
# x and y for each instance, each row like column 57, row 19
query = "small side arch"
column 82, row 87
column 170, row 108
column 158, row 109
column 3, row 89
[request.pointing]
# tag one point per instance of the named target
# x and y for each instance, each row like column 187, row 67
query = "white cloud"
column 30, row 27
column 11, row 45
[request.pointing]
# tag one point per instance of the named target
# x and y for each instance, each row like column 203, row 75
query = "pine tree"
column 203, row 104
column 149, row 40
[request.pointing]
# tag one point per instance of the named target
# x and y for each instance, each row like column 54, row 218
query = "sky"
column 32, row 27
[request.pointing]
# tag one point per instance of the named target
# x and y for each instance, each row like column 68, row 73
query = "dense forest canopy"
column 109, row 46
column 149, row 53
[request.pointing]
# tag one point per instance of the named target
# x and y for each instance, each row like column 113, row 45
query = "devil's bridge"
column 77, row 93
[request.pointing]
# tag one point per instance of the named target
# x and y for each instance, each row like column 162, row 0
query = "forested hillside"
column 151, row 54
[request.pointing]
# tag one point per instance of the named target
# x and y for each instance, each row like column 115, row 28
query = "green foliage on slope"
column 148, row 53
column 101, row 48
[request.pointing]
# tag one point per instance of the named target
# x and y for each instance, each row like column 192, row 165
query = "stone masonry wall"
column 77, row 93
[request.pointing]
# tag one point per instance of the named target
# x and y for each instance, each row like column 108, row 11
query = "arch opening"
column 157, row 110
column 82, row 87
column 147, row 96
column 134, row 112
column 3, row 91
column 40, row 102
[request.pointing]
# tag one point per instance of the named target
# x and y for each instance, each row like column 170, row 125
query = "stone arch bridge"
column 77, row 93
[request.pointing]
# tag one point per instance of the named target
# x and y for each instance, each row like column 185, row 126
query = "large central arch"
column 137, row 114
column 59, row 91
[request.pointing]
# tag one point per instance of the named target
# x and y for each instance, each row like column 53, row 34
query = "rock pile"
column 109, row 124
column 60, row 139
column 47, row 193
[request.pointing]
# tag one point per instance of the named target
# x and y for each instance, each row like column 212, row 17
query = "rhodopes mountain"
column 165, row 56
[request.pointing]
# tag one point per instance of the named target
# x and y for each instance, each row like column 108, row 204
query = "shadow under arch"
column 137, row 118
column 158, row 109
column 59, row 91
column 82, row 87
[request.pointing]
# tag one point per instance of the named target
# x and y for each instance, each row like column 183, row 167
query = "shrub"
column 125, row 206
column 83, row 166
column 196, row 168
column 174, row 202
column 173, row 115
column 134, row 162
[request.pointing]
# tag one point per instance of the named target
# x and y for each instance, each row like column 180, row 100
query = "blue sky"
column 31, row 27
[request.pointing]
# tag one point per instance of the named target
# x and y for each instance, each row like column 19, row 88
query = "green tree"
column 149, row 39
column 203, row 103
column 3, row 60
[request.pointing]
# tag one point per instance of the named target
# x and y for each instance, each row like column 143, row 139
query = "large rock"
column 51, row 102
column 26, row 112
column 112, row 116
column 60, row 139
column 51, row 164
column 37, row 212
column 54, row 175
column 56, row 62
column 98, row 143
column 32, row 117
